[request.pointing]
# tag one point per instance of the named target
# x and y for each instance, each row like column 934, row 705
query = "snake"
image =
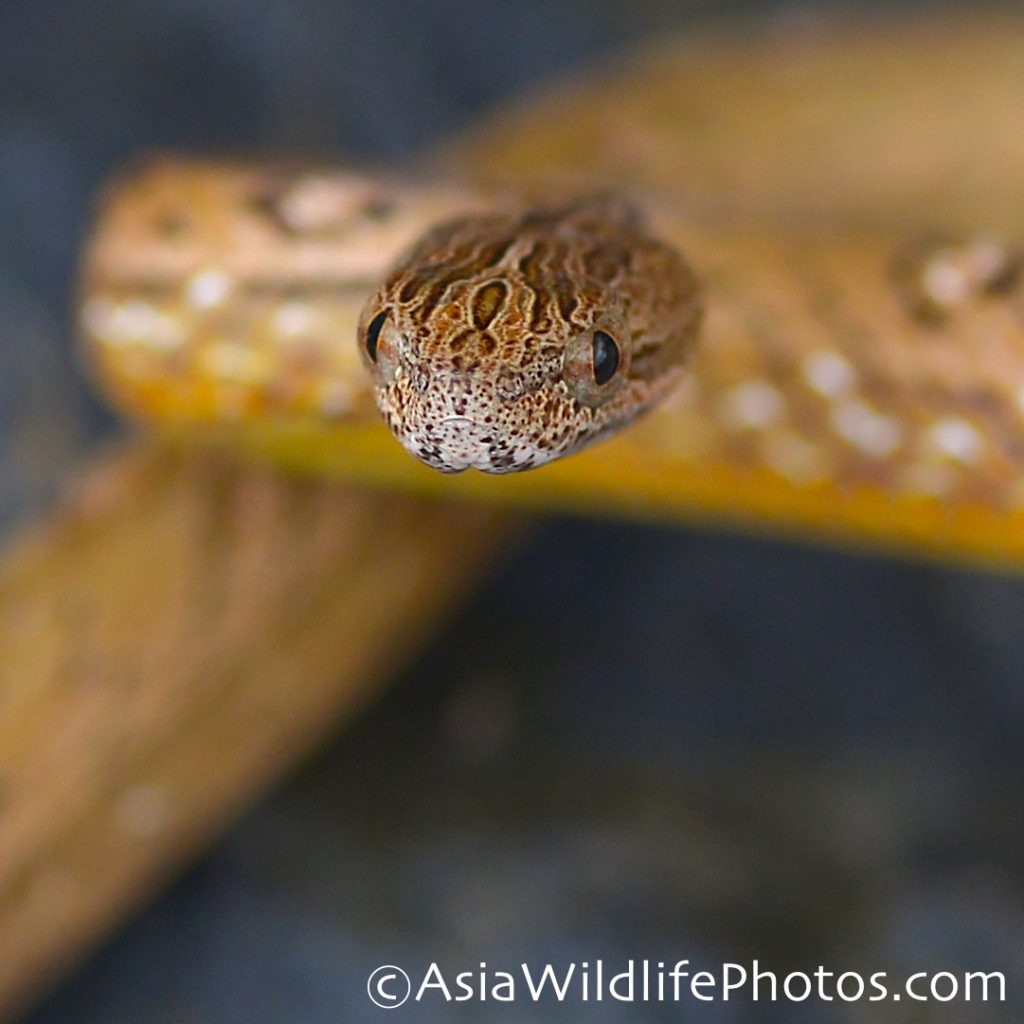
column 499, row 337
column 502, row 342
column 854, row 377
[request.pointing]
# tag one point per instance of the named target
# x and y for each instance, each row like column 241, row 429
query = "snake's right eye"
column 372, row 337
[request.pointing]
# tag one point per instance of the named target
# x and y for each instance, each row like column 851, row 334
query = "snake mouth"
column 464, row 444
column 457, row 443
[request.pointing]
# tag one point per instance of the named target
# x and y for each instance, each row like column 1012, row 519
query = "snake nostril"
column 420, row 378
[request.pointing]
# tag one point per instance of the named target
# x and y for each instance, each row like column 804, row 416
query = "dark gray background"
column 712, row 747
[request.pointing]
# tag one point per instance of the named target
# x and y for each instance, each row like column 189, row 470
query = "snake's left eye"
column 606, row 357
column 596, row 362
column 373, row 330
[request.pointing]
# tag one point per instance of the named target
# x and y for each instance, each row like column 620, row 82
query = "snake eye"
column 373, row 334
column 596, row 362
column 606, row 357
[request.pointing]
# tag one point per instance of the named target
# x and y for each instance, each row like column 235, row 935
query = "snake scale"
column 859, row 372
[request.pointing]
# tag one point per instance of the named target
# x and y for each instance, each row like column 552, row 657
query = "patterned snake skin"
column 503, row 342
column 847, row 382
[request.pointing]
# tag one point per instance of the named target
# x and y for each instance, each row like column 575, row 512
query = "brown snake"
column 501, row 338
column 233, row 295
column 853, row 376
column 502, row 342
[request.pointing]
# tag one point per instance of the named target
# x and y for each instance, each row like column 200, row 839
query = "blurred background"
column 710, row 746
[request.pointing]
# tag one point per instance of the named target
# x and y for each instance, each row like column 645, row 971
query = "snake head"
column 503, row 342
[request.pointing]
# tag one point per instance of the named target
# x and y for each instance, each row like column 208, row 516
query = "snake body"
column 502, row 342
column 503, row 333
column 853, row 377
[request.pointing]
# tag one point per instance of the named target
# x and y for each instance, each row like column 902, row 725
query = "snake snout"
column 465, row 443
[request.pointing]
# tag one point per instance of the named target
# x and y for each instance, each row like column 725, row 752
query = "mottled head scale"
column 502, row 342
